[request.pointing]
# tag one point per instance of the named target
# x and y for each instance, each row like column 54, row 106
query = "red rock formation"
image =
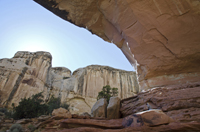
column 160, row 38
column 88, row 125
column 181, row 104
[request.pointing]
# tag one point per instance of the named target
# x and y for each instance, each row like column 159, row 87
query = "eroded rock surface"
column 24, row 75
column 29, row 73
column 181, row 104
column 160, row 38
column 113, row 108
column 100, row 108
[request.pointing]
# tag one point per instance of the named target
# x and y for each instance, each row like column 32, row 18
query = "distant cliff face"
column 30, row 73
column 24, row 75
column 85, row 83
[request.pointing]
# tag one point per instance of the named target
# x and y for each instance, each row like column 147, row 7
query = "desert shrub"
column 55, row 103
column 8, row 114
column 66, row 106
column 31, row 107
column 31, row 127
column 107, row 92
column 35, row 106
column 16, row 128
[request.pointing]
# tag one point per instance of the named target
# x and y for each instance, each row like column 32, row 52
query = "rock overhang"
column 159, row 38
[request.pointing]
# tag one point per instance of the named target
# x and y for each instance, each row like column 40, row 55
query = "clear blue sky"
column 27, row 26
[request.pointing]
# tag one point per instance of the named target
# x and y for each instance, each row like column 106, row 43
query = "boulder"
column 113, row 108
column 43, row 118
column 86, row 114
column 61, row 113
column 99, row 108
column 23, row 121
column 153, row 117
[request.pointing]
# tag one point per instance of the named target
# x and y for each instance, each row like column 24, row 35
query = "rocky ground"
column 153, row 120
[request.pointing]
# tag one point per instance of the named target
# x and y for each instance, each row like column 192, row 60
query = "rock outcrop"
column 181, row 104
column 29, row 73
column 61, row 113
column 99, row 109
column 160, row 38
column 150, row 118
column 81, row 89
column 113, row 108
column 24, row 75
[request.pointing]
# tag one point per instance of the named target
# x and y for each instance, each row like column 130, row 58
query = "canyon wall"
column 160, row 38
column 29, row 73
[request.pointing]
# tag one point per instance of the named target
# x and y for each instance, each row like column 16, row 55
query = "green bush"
column 55, row 103
column 8, row 114
column 107, row 92
column 65, row 106
column 35, row 106
column 31, row 107
column 16, row 128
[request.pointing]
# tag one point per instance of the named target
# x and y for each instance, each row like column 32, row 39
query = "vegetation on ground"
column 16, row 128
column 35, row 107
column 107, row 92
column 31, row 127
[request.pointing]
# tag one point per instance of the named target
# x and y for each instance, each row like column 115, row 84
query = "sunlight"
column 33, row 44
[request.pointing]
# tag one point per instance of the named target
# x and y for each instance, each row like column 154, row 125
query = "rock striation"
column 180, row 103
column 29, row 73
column 24, row 75
column 160, row 38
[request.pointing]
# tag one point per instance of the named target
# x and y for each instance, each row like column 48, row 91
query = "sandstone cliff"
column 160, row 38
column 30, row 73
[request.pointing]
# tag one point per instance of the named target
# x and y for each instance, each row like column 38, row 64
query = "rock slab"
column 99, row 109
column 61, row 113
column 113, row 108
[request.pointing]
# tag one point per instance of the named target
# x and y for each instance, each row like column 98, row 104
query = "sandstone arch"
column 160, row 38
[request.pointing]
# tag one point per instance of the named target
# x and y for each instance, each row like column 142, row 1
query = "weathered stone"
column 106, row 124
column 24, row 75
column 160, row 38
column 150, row 118
column 91, row 125
column 99, row 108
column 43, row 118
column 61, row 113
column 85, row 114
column 181, row 104
column 23, row 121
column 11, row 120
column 113, row 108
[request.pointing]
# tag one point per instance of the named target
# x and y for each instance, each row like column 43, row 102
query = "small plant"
column 107, row 92
column 31, row 127
column 16, row 128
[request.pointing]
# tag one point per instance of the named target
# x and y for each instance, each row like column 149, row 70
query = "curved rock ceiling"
column 160, row 38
